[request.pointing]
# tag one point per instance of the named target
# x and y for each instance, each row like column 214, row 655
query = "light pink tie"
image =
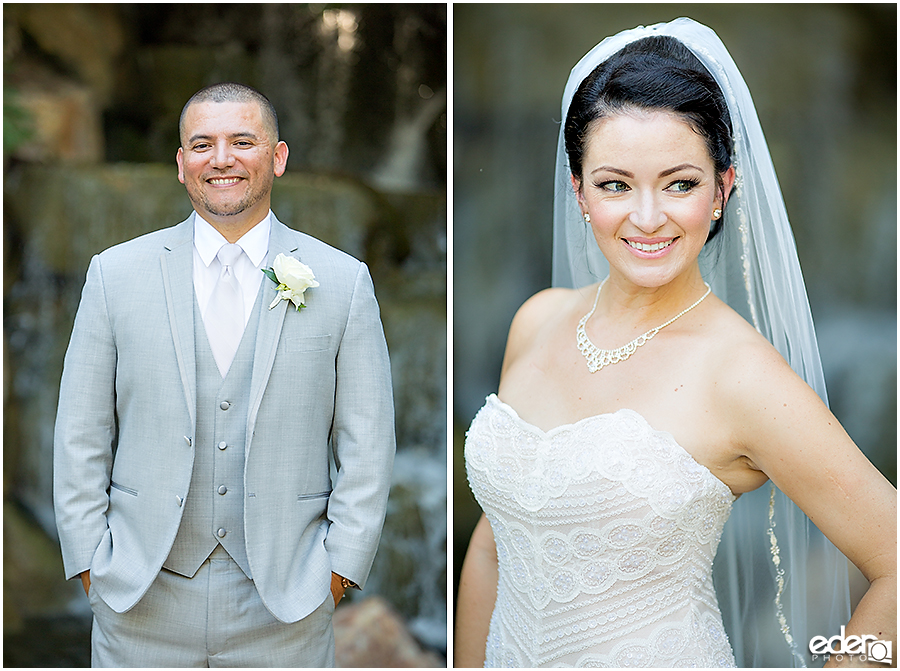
column 224, row 317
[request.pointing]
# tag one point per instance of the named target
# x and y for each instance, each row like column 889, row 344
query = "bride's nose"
column 646, row 214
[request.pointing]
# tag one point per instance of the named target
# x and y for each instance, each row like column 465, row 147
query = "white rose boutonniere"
column 292, row 279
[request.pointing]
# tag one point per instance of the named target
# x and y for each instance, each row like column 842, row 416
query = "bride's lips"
column 650, row 248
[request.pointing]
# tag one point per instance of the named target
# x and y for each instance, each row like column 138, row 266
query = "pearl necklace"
column 600, row 358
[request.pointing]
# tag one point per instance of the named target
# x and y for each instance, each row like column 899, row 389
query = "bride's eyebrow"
column 664, row 173
column 679, row 168
column 616, row 171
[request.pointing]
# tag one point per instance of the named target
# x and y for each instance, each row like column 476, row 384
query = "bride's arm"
column 790, row 435
column 477, row 594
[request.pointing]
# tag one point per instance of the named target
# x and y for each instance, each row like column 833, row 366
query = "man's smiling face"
column 228, row 161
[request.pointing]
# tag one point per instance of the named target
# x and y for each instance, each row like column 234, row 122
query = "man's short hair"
column 231, row 92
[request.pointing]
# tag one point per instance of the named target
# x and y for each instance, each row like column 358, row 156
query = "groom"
column 198, row 409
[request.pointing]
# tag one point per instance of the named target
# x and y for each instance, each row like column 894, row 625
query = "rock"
column 87, row 38
column 371, row 634
column 60, row 69
column 64, row 123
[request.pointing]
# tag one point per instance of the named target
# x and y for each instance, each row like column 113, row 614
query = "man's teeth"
column 224, row 180
column 655, row 247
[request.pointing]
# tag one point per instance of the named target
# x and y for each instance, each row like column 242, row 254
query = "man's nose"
column 222, row 157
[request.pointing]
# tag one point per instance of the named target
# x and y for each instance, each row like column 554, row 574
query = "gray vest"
column 214, row 507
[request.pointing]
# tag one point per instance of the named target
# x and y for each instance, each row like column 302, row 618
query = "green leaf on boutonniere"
column 268, row 272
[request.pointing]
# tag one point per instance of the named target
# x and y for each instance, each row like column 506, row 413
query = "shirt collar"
column 254, row 242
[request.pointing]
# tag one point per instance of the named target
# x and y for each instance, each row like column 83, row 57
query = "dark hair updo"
column 653, row 73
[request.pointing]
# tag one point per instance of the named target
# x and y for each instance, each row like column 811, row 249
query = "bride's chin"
column 648, row 278
column 651, row 274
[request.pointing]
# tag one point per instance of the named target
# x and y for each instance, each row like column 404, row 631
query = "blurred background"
column 92, row 96
column 824, row 81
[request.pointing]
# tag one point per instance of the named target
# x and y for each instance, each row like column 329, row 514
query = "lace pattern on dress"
column 606, row 530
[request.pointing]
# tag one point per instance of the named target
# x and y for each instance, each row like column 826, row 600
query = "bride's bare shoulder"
column 545, row 304
column 541, row 313
column 738, row 352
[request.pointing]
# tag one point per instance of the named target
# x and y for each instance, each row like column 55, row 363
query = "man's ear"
column 179, row 159
column 281, row 157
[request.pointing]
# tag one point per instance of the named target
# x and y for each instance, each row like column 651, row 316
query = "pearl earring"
column 587, row 218
column 717, row 213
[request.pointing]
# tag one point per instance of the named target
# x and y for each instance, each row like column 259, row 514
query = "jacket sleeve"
column 362, row 437
column 85, row 435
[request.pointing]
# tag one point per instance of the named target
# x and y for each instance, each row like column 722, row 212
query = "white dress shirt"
column 247, row 269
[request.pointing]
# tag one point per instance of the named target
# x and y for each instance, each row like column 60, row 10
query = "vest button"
column 222, row 445
column 224, row 405
column 221, row 533
column 222, row 489
column 180, row 500
column 187, row 440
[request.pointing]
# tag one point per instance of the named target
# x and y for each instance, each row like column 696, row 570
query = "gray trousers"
column 214, row 619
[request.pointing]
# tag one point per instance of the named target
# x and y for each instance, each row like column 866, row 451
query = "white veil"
column 779, row 581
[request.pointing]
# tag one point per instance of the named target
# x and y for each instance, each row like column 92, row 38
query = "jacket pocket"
column 320, row 495
column 122, row 488
column 319, row 343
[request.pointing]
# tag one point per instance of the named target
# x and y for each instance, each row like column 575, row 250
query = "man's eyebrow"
column 202, row 136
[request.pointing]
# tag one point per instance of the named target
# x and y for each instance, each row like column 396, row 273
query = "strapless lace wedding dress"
column 606, row 531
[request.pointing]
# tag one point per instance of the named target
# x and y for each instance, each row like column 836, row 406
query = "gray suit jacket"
column 123, row 446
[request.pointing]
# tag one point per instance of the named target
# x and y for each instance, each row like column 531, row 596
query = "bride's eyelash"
column 609, row 182
column 689, row 182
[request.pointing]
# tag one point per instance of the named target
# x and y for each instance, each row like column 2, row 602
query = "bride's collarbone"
column 671, row 379
column 659, row 368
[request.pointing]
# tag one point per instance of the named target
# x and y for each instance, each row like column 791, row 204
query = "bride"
column 632, row 413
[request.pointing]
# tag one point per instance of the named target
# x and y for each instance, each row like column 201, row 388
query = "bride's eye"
column 613, row 186
column 683, row 185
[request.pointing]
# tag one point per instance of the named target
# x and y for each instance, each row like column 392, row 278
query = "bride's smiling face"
column 650, row 189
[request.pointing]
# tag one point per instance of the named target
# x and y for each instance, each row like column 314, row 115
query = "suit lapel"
column 177, row 261
column 270, row 324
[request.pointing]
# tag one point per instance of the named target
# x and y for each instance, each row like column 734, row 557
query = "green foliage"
column 17, row 122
